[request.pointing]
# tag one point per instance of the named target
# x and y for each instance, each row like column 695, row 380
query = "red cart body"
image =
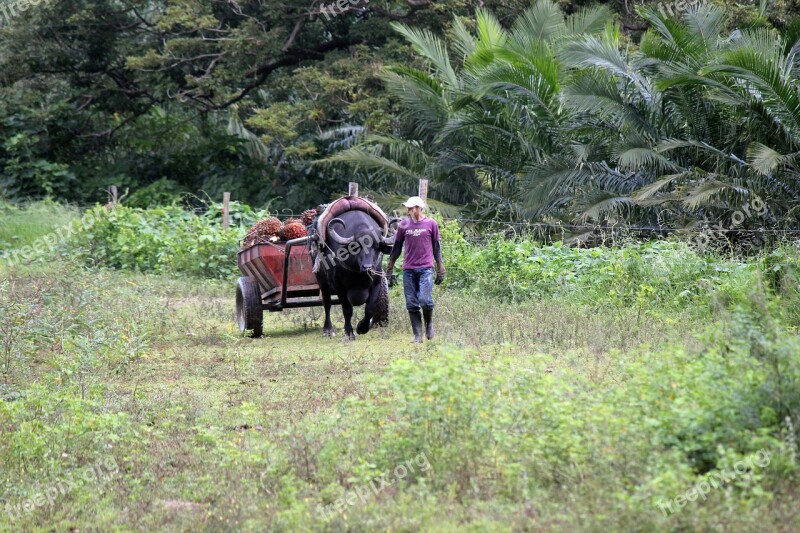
column 267, row 264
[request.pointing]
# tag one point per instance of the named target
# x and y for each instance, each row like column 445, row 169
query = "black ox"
column 349, row 265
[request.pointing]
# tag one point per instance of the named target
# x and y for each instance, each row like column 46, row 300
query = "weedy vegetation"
column 567, row 389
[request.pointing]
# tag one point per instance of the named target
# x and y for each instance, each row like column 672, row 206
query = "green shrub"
column 166, row 239
column 26, row 174
column 652, row 276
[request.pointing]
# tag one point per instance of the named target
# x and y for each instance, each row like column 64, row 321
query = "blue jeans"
column 418, row 286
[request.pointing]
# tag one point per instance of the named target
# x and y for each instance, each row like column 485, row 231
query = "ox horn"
column 335, row 236
column 387, row 243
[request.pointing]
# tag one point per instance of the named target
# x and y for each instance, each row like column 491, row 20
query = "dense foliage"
column 567, row 119
column 213, row 96
column 650, row 119
column 168, row 239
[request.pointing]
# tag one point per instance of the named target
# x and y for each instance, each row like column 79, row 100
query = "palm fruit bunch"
column 293, row 229
column 263, row 230
column 289, row 222
column 308, row 216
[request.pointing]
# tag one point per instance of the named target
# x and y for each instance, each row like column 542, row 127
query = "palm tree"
column 559, row 118
column 688, row 120
column 475, row 127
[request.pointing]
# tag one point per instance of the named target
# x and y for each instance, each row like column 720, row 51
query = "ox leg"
column 369, row 311
column 347, row 310
column 327, row 328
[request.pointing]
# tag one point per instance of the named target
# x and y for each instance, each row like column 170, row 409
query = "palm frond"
column 707, row 21
column 704, row 194
column 764, row 159
column 540, row 23
column 649, row 191
column 591, row 52
column 491, row 35
column 254, row 146
column 598, row 205
column 463, row 42
column 370, row 161
column 596, row 94
column 431, row 48
column 590, row 19
column 641, row 158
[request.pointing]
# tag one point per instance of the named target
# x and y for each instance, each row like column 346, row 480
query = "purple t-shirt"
column 418, row 238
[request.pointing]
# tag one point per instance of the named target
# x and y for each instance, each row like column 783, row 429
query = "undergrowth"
column 547, row 402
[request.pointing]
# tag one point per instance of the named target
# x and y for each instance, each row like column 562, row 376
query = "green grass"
column 21, row 226
column 541, row 405
column 544, row 415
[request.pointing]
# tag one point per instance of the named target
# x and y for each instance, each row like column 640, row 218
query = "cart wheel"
column 249, row 311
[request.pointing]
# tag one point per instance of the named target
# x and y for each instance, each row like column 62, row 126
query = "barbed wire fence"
column 704, row 235
column 702, row 238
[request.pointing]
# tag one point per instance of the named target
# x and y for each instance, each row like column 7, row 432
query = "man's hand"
column 389, row 273
column 439, row 275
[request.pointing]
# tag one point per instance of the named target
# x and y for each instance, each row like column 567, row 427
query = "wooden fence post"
column 226, row 210
column 352, row 189
column 113, row 196
column 423, row 190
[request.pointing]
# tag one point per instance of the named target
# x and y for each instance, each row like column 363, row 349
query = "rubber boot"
column 428, row 315
column 416, row 325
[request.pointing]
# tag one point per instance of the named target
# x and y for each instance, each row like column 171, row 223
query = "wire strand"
column 622, row 227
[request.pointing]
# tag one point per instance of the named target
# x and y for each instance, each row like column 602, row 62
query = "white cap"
column 415, row 201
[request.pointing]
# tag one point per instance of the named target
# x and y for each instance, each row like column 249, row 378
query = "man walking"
column 420, row 235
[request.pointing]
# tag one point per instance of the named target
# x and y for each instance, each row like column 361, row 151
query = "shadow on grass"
column 284, row 332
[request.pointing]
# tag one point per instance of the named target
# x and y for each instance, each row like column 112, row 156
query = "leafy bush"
column 26, row 175
column 648, row 275
column 160, row 240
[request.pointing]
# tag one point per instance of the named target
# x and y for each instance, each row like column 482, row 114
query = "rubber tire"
column 381, row 317
column 249, row 311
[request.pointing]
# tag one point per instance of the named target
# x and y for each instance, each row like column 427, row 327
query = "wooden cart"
column 275, row 276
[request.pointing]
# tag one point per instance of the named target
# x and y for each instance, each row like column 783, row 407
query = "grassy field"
column 128, row 402
column 21, row 226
